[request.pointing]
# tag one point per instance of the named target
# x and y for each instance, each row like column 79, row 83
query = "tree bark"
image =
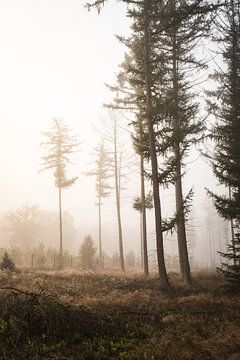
column 153, row 154
column 141, row 238
column 117, row 191
column 144, row 222
column 181, row 230
column 60, row 228
column 100, row 229
column 232, row 231
column 235, row 105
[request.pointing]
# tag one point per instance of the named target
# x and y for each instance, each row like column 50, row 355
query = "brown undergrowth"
column 110, row 316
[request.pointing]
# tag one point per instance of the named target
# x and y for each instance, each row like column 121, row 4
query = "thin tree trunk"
column 60, row 228
column 153, row 155
column 232, row 231
column 100, row 229
column 213, row 243
column 181, row 230
column 210, row 225
column 59, row 180
column 144, row 222
column 141, row 238
column 117, row 191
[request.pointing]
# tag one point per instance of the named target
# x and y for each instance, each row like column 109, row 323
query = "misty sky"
column 55, row 58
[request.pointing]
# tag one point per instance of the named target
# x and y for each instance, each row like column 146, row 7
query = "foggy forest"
column 120, row 186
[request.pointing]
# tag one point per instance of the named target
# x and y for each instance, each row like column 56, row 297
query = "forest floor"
column 111, row 316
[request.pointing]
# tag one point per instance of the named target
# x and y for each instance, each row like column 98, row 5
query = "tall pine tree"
column 183, row 24
column 102, row 174
column 175, row 29
column 224, row 103
column 59, row 146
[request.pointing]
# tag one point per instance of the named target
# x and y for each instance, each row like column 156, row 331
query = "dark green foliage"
column 224, row 104
column 226, row 108
column 7, row 263
column 231, row 268
column 170, row 224
column 182, row 24
column 175, row 30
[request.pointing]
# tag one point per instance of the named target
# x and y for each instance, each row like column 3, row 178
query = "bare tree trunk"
column 117, row 191
column 153, row 154
column 210, row 226
column 59, row 180
column 100, row 229
column 232, row 231
column 144, row 222
column 60, row 228
column 181, row 230
column 141, row 238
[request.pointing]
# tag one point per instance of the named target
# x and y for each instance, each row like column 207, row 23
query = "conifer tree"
column 176, row 28
column 7, row 263
column 184, row 23
column 141, row 14
column 102, row 173
column 224, row 103
column 144, row 48
column 87, row 253
column 145, row 78
column 112, row 134
column 163, row 36
column 60, row 144
column 129, row 98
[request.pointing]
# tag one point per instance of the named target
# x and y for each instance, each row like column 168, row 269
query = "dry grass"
column 111, row 316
